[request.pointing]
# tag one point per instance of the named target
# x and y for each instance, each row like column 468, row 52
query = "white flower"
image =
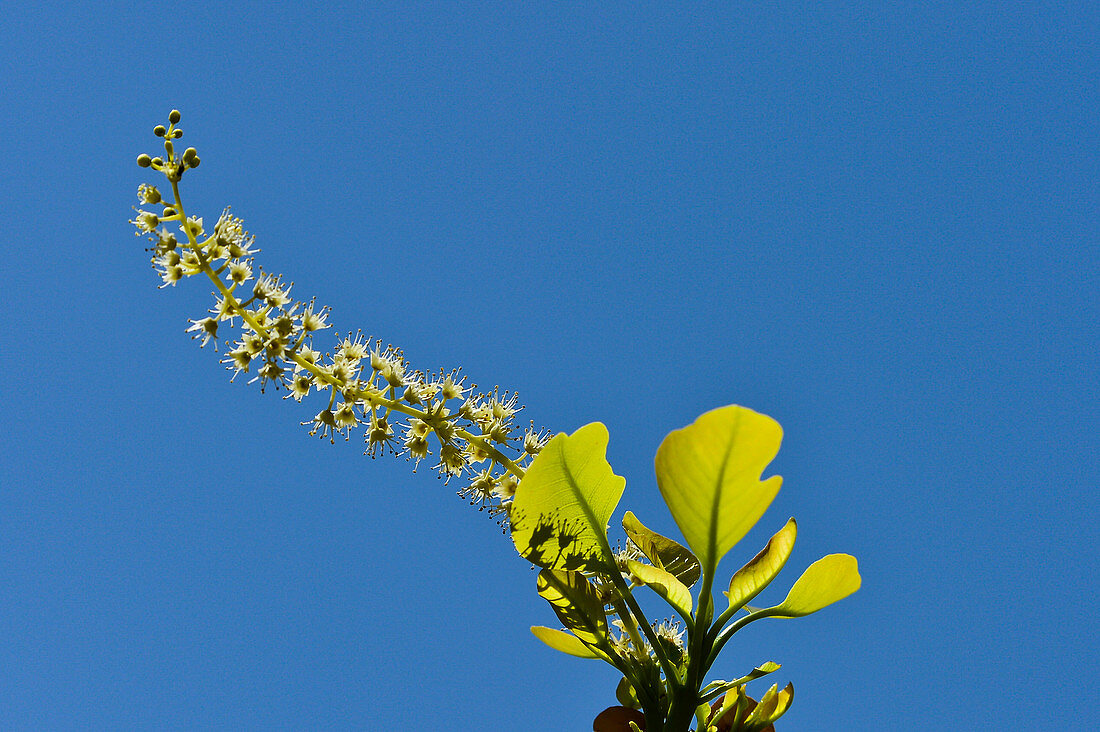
column 145, row 222
column 207, row 329
column 239, row 272
column 192, row 225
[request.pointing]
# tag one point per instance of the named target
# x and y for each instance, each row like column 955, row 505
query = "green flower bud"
column 157, row 162
column 174, row 116
column 159, row 131
column 177, row 133
column 193, row 162
column 144, row 161
column 168, row 211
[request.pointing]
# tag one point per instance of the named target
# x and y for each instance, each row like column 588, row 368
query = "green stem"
column 672, row 677
column 394, row 404
column 640, row 684
column 728, row 632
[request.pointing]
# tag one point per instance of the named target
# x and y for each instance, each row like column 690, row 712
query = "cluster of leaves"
column 709, row 475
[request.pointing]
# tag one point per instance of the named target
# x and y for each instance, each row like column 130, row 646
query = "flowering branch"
column 474, row 434
column 556, row 495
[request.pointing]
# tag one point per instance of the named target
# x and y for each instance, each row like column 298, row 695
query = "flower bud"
column 159, row 131
column 144, row 161
column 174, row 116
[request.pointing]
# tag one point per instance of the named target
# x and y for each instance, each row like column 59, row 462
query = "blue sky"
column 876, row 223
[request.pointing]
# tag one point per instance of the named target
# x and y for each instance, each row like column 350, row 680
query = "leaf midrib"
column 593, row 524
column 712, row 534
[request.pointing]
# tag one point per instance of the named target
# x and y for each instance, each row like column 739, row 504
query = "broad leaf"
column 560, row 512
column 576, row 603
column 709, row 474
column 662, row 551
column 827, row 580
column 748, row 581
column 672, row 590
column 559, row 640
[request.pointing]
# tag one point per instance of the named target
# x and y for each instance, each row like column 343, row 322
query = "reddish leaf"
column 617, row 719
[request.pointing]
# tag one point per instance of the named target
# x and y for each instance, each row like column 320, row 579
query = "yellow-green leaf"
column 560, row 512
column 785, row 698
column 731, row 711
column 565, row 642
column 827, row 580
column 768, row 667
column 709, row 475
column 626, row 694
column 748, row 581
column 662, row 551
column 771, row 707
column 665, row 584
column 576, row 603
column 737, row 690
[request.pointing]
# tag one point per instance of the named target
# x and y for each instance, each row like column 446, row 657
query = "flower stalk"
column 403, row 412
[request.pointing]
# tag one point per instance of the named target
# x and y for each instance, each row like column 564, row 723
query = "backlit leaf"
column 748, row 581
column 576, row 603
column 565, row 642
column 827, row 580
column 771, row 707
column 709, row 474
column 662, row 551
column 560, row 512
column 626, row 694
column 672, row 590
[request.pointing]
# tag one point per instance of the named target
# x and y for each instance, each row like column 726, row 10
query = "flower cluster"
column 420, row 415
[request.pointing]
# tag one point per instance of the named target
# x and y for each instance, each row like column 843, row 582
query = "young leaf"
column 559, row 640
column 662, row 551
column 771, row 707
column 724, row 687
column 576, row 603
column 824, row 582
column 560, row 512
column 748, row 581
column 672, row 590
column 729, row 712
column 768, row 667
column 626, row 694
column 709, row 475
